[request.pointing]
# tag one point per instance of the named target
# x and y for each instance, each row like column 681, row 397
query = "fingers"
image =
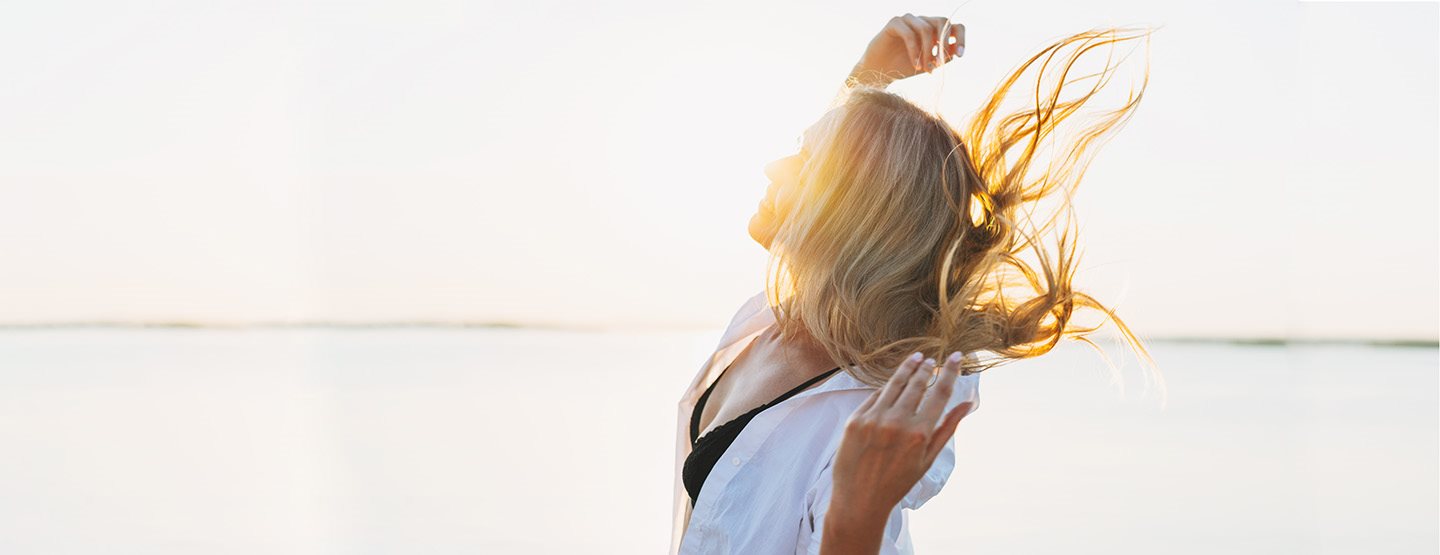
column 929, row 41
column 897, row 381
column 957, row 34
column 947, row 429
column 915, row 389
column 948, row 40
column 926, row 36
column 869, row 401
column 939, row 395
column 900, row 28
column 942, row 51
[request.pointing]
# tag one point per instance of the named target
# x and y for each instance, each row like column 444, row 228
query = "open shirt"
column 769, row 492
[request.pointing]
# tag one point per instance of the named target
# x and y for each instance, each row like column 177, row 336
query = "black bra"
column 705, row 451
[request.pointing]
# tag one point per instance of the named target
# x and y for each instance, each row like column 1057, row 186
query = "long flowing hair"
column 908, row 234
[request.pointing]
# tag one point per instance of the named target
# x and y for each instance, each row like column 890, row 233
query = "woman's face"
column 784, row 177
column 783, row 174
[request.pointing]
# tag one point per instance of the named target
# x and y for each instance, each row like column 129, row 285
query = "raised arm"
column 908, row 45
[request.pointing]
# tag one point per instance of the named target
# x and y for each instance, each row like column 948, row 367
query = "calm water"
column 522, row 441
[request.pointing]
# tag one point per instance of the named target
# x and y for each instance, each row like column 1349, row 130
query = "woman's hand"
column 909, row 45
column 889, row 443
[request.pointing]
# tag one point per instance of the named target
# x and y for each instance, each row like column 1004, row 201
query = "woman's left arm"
column 889, row 443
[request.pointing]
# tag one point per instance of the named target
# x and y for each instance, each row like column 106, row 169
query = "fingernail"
column 930, row 362
column 959, row 51
column 916, row 356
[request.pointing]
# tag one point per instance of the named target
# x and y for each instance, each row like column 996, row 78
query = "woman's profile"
column 893, row 237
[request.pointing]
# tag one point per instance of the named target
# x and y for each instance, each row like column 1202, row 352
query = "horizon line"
column 185, row 325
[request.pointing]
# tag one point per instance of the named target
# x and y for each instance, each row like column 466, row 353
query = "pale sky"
column 595, row 163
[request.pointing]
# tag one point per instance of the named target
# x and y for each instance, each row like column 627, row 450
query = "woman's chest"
column 763, row 489
column 746, row 385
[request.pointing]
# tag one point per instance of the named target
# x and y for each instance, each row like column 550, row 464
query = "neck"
column 800, row 344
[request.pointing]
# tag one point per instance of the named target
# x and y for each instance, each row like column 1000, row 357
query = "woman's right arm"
column 889, row 443
column 907, row 46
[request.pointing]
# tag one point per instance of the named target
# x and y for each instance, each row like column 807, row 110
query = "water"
column 520, row 441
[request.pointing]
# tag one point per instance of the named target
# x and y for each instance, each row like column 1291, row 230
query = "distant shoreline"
column 1271, row 341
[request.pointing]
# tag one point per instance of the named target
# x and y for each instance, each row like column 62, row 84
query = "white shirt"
column 769, row 492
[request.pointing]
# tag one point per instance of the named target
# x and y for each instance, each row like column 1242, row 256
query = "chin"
column 761, row 230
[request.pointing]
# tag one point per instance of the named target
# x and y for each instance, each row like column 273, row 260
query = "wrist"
column 855, row 512
column 858, row 527
column 860, row 75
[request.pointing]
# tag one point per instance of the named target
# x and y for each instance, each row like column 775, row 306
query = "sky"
column 595, row 164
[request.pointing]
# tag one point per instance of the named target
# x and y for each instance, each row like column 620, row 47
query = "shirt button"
column 735, row 461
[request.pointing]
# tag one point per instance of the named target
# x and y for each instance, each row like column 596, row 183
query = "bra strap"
column 802, row 386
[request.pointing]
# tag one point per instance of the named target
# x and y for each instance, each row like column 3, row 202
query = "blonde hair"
column 907, row 233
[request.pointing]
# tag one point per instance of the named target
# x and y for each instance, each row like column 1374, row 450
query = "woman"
column 892, row 235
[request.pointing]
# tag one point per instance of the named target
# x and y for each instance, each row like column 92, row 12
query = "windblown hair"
column 908, row 233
